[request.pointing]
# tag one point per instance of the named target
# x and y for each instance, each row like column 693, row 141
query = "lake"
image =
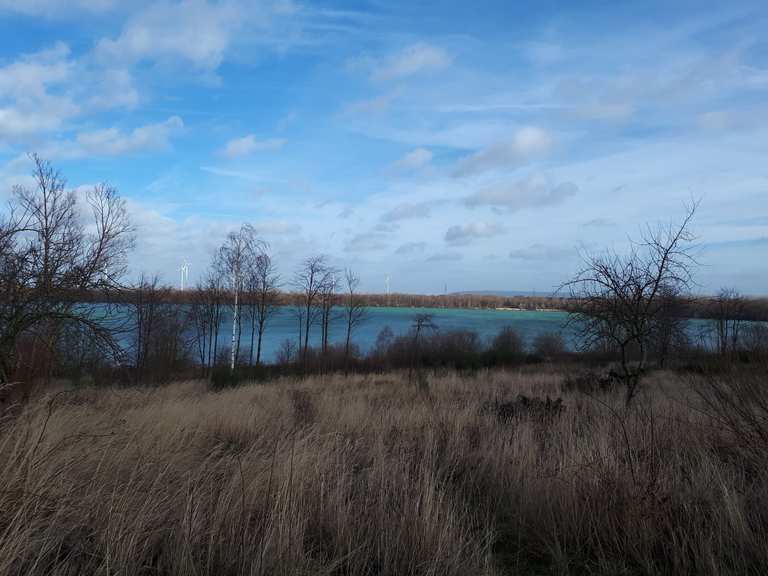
column 283, row 325
column 487, row 323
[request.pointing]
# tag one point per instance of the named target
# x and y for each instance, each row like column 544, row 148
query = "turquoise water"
column 283, row 325
column 486, row 323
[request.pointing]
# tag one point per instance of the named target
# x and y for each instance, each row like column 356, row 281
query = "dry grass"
column 368, row 475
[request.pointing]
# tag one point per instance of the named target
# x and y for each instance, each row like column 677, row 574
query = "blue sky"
column 476, row 145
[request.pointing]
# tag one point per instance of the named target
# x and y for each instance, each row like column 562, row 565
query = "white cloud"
column 249, row 144
column 466, row 233
column 277, row 228
column 411, row 60
column 525, row 144
column 116, row 89
column 445, row 257
column 407, row 210
column 31, row 93
column 196, row 31
column 367, row 242
column 111, row 142
column 534, row 191
column 32, row 74
column 414, row 160
column 411, row 248
column 541, row 252
column 676, row 82
column 41, row 92
column 15, row 124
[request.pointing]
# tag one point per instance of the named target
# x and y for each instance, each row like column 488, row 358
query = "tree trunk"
column 253, row 333
column 346, row 347
column 216, row 324
column 235, row 319
column 326, row 318
column 258, row 347
column 306, row 331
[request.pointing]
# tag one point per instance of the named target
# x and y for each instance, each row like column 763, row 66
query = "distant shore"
column 516, row 309
column 753, row 308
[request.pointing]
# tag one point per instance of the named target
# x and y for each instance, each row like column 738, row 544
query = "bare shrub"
column 507, row 346
column 756, row 339
column 287, row 353
column 591, row 382
column 549, row 345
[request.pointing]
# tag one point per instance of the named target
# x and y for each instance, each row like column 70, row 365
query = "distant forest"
column 706, row 307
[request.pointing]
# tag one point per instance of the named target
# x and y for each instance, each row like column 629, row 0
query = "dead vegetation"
column 367, row 475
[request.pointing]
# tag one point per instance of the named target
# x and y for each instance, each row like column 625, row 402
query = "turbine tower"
column 184, row 274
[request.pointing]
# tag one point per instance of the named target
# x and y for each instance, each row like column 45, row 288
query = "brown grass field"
column 373, row 475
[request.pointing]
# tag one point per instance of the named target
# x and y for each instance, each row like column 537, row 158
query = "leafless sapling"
column 354, row 311
column 309, row 283
column 263, row 283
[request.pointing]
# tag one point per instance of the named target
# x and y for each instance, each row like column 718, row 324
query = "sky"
column 450, row 146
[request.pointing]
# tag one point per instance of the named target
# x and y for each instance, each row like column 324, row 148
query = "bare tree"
column 669, row 327
column 298, row 313
column 206, row 315
column 50, row 257
column 728, row 318
column 421, row 323
column 160, row 336
column 621, row 297
column 309, row 281
column 144, row 303
column 233, row 261
column 263, row 283
column 328, row 299
column 354, row 311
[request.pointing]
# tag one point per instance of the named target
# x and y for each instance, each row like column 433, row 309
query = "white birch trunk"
column 234, row 327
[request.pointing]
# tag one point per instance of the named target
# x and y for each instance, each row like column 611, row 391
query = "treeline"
column 748, row 308
column 286, row 297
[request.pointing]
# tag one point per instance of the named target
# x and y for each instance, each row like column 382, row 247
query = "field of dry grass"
column 373, row 475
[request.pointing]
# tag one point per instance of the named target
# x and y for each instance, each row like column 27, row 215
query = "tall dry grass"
column 371, row 475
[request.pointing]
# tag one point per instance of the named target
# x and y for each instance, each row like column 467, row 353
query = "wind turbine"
column 184, row 274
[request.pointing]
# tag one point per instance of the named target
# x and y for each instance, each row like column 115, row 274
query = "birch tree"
column 233, row 261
